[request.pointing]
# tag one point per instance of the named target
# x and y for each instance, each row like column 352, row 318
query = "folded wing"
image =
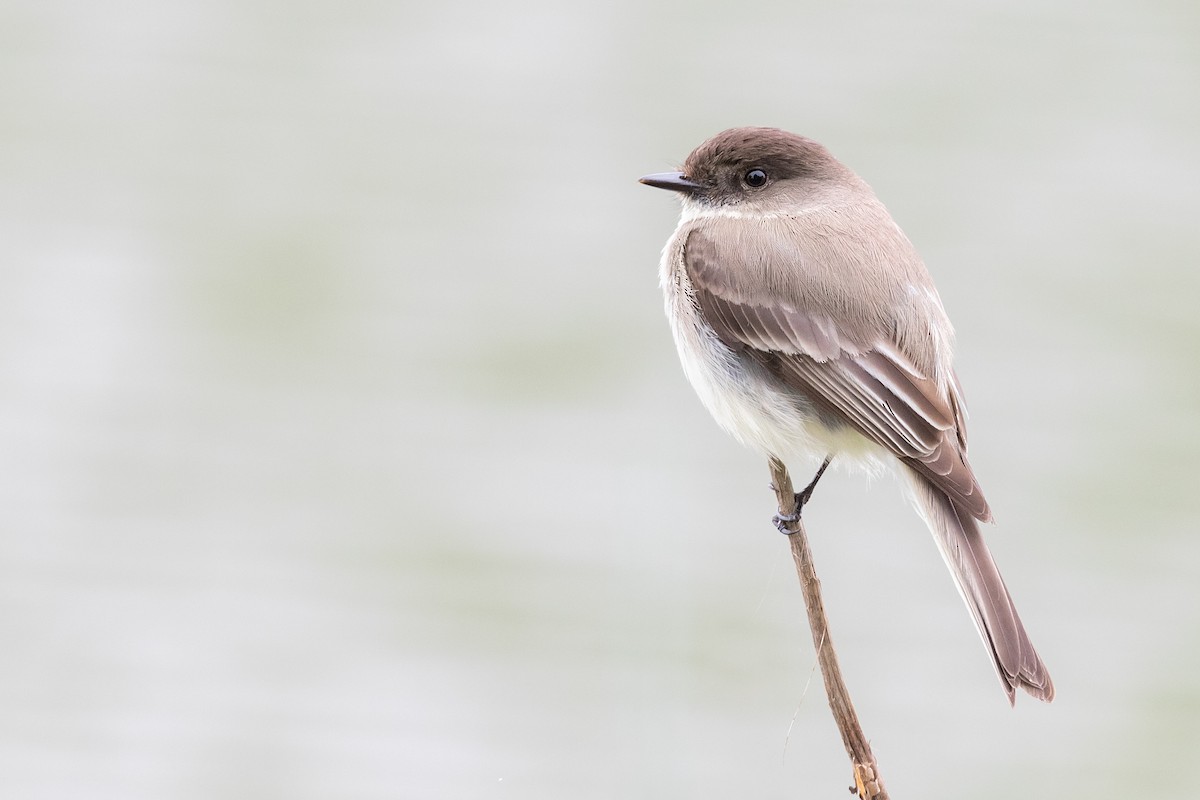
column 870, row 384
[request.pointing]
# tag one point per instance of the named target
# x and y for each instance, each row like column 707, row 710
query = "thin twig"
column 868, row 784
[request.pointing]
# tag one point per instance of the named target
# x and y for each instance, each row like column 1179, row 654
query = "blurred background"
column 344, row 451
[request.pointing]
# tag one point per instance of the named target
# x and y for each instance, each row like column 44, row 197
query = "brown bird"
column 809, row 327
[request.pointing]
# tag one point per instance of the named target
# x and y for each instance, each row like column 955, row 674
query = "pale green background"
column 344, row 452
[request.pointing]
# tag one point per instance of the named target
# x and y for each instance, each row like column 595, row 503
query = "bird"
column 809, row 327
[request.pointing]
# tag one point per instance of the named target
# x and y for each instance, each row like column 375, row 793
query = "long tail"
column 978, row 580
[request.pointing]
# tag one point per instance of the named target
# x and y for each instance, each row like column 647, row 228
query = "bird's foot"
column 786, row 523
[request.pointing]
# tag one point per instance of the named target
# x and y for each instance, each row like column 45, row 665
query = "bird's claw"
column 784, row 522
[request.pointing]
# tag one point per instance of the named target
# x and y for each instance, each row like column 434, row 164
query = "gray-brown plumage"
column 808, row 325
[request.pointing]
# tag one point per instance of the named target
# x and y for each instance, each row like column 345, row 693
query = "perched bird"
column 809, row 327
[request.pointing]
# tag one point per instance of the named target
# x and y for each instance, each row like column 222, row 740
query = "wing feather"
column 865, row 380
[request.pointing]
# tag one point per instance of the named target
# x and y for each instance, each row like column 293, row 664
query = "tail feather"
column 978, row 580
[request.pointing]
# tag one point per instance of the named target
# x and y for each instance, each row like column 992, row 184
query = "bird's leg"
column 782, row 520
column 806, row 495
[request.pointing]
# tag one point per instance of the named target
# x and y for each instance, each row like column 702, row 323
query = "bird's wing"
column 850, row 371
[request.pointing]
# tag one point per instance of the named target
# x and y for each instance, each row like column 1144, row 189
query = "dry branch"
column 868, row 784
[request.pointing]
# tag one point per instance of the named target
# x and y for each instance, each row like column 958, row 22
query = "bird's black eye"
column 755, row 178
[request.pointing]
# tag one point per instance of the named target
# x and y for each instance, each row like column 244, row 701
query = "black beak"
column 671, row 180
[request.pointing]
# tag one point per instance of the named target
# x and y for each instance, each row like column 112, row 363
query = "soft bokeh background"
column 344, row 452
